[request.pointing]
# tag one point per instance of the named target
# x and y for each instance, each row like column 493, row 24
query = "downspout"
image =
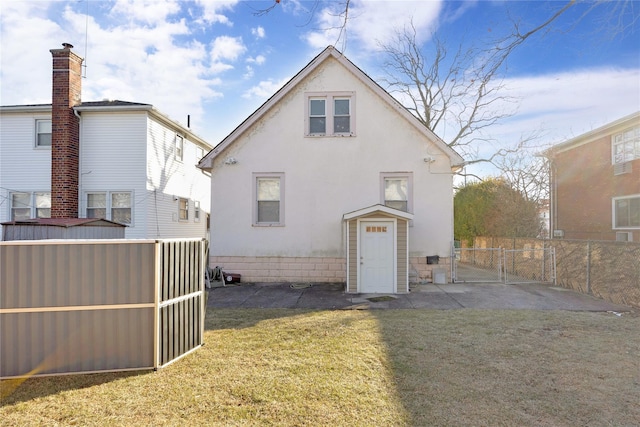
column 80, row 203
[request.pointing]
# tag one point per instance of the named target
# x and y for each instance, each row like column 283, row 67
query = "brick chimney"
column 65, row 132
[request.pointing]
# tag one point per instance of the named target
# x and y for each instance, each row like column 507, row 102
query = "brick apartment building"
column 595, row 183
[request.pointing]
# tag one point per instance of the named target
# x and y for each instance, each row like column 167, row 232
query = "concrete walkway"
column 427, row 296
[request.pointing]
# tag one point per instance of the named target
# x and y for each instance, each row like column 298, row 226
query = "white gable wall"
column 326, row 177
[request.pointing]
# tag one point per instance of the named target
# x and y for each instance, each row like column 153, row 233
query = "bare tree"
column 456, row 92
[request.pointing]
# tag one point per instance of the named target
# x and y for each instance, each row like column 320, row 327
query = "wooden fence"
column 81, row 306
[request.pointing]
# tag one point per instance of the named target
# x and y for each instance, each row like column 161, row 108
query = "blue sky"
column 217, row 61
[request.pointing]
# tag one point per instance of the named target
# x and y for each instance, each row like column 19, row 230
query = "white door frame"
column 394, row 223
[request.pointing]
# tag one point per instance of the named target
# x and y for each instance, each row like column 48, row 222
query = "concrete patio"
column 532, row 296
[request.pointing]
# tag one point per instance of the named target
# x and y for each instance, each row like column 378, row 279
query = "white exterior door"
column 377, row 254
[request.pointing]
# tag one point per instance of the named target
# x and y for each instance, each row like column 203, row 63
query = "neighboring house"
column 332, row 180
column 122, row 161
column 595, row 183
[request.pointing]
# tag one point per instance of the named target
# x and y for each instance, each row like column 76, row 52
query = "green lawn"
column 366, row 368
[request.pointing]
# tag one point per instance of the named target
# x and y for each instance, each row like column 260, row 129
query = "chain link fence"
column 607, row 270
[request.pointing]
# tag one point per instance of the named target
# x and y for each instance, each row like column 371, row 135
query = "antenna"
column 86, row 38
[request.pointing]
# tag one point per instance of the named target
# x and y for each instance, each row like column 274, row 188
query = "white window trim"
column 254, row 196
column 613, row 212
column 635, row 140
column 35, row 133
column 409, row 177
column 329, row 113
column 85, row 203
column 178, row 148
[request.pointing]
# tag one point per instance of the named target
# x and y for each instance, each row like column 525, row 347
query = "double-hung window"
column 183, row 209
column 626, row 212
column 43, row 133
column 396, row 190
column 268, row 205
column 625, row 146
column 114, row 206
column 121, row 207
column 179, row 149
column 30, row 205
column 330, row 114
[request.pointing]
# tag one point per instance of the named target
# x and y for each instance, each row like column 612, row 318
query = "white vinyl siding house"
column 25, row 168
column 128, row 170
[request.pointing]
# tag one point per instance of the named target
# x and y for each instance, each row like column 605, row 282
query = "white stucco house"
column 332, row 180
column 125, row 162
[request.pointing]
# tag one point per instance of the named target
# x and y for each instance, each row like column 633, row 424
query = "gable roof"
column 378, row 208
column 328, row 52
column 605, row 130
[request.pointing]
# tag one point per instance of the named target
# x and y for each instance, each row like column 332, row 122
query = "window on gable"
column 625, row 146
column 268, row 199
column 317, row 116
column 396, row 190
column 30, row 205
column 341, row 115
column 114, row 206
column 626, row 212
column 43, row 133
column 183, row 209
column 330, row 114
column 179, row 150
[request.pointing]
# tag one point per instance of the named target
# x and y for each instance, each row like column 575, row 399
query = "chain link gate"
column 482, row 265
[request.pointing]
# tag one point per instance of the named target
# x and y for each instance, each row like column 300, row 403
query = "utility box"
column 439, row 276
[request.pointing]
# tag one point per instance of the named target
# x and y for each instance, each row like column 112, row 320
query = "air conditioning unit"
column 622, row 168
column 558, row 233
column 624, row 236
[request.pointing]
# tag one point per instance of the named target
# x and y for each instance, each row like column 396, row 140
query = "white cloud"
column 265, row 89
column 227, row 48
column 567, row 104
column 373, row 22
column 147, row 11
column 259, row 60
column 211, row 11
column 258, row 32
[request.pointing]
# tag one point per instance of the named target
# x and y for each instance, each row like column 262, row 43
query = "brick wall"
column 585, row 186
column 65, row 132
column 308, row 269
column 283, row 269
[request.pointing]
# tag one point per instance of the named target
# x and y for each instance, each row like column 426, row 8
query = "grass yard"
column 366, row 368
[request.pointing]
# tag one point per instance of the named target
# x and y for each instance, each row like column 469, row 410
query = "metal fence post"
column 589, row 267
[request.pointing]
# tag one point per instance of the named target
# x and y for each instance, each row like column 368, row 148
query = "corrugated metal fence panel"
column 76, row 273
column 76, row 306
column 181, row 312
column 56, row 342
column 88, row 306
